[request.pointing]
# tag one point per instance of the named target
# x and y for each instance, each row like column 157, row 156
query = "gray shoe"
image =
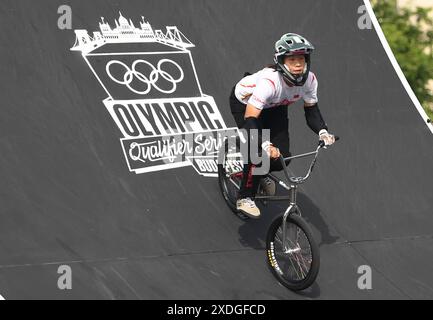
column 248, row 207
column 268, row 186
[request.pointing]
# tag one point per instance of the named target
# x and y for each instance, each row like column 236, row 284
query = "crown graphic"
column 126, row 32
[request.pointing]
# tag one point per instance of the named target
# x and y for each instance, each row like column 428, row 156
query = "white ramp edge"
column 1, row 297
column 396, row 66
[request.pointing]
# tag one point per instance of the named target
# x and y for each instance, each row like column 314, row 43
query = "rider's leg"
column 249, row 183
column 247, row 192
column 276, row 121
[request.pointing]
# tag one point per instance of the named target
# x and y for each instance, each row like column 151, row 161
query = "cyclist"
column 259, row 101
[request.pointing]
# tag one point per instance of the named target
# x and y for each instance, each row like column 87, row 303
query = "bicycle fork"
column 293, row 208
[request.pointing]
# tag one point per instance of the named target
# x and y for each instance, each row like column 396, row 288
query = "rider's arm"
column 317, row 124
column 312, row 112
column 314, row 117
column 252, row 111
column 263, row 92
column 252, row 122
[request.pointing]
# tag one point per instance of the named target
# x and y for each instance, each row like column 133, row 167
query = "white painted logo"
column 154, row 96
column 151, row 79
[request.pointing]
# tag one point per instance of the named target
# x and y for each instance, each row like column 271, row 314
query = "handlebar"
column 299, row 180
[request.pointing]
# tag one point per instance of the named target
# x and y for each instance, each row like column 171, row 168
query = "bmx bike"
column 292, row 253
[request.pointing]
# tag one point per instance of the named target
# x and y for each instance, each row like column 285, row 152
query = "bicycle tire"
column 228, row 194
column 275, row 265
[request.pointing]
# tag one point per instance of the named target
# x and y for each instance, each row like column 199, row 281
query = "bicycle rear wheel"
column 296, row 267
column 230, row 175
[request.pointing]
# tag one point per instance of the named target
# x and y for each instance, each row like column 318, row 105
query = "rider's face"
column 295, row 64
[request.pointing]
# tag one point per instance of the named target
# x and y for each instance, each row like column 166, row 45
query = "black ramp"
column 68, row 197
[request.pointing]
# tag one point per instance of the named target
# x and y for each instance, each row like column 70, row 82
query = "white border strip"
column 396, row 65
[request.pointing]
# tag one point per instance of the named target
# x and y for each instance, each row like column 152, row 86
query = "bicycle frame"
column 292, row 187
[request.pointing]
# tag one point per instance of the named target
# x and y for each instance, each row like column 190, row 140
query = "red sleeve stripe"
column 272, row 83
column 246, row 86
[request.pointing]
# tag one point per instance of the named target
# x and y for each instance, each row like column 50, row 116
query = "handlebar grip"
column 322, row 143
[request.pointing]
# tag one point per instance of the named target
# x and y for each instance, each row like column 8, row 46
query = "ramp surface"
column 68, row 197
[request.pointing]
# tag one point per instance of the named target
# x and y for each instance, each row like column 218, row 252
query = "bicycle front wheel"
column 296, row 266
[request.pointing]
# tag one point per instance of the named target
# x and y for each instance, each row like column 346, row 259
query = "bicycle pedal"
column 242, row 216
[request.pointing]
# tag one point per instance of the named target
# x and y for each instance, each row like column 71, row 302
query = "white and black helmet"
column 293, row 44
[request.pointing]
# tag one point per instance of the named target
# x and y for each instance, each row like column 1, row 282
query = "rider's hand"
column 275, row 152
column 326, row 137
column 271, row 151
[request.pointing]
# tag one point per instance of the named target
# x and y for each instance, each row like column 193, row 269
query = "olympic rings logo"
column 150, row 81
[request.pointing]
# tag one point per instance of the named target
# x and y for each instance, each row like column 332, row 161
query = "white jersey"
column 266, row 89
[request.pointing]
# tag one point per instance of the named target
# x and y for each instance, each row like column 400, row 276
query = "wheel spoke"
column 295, row 260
